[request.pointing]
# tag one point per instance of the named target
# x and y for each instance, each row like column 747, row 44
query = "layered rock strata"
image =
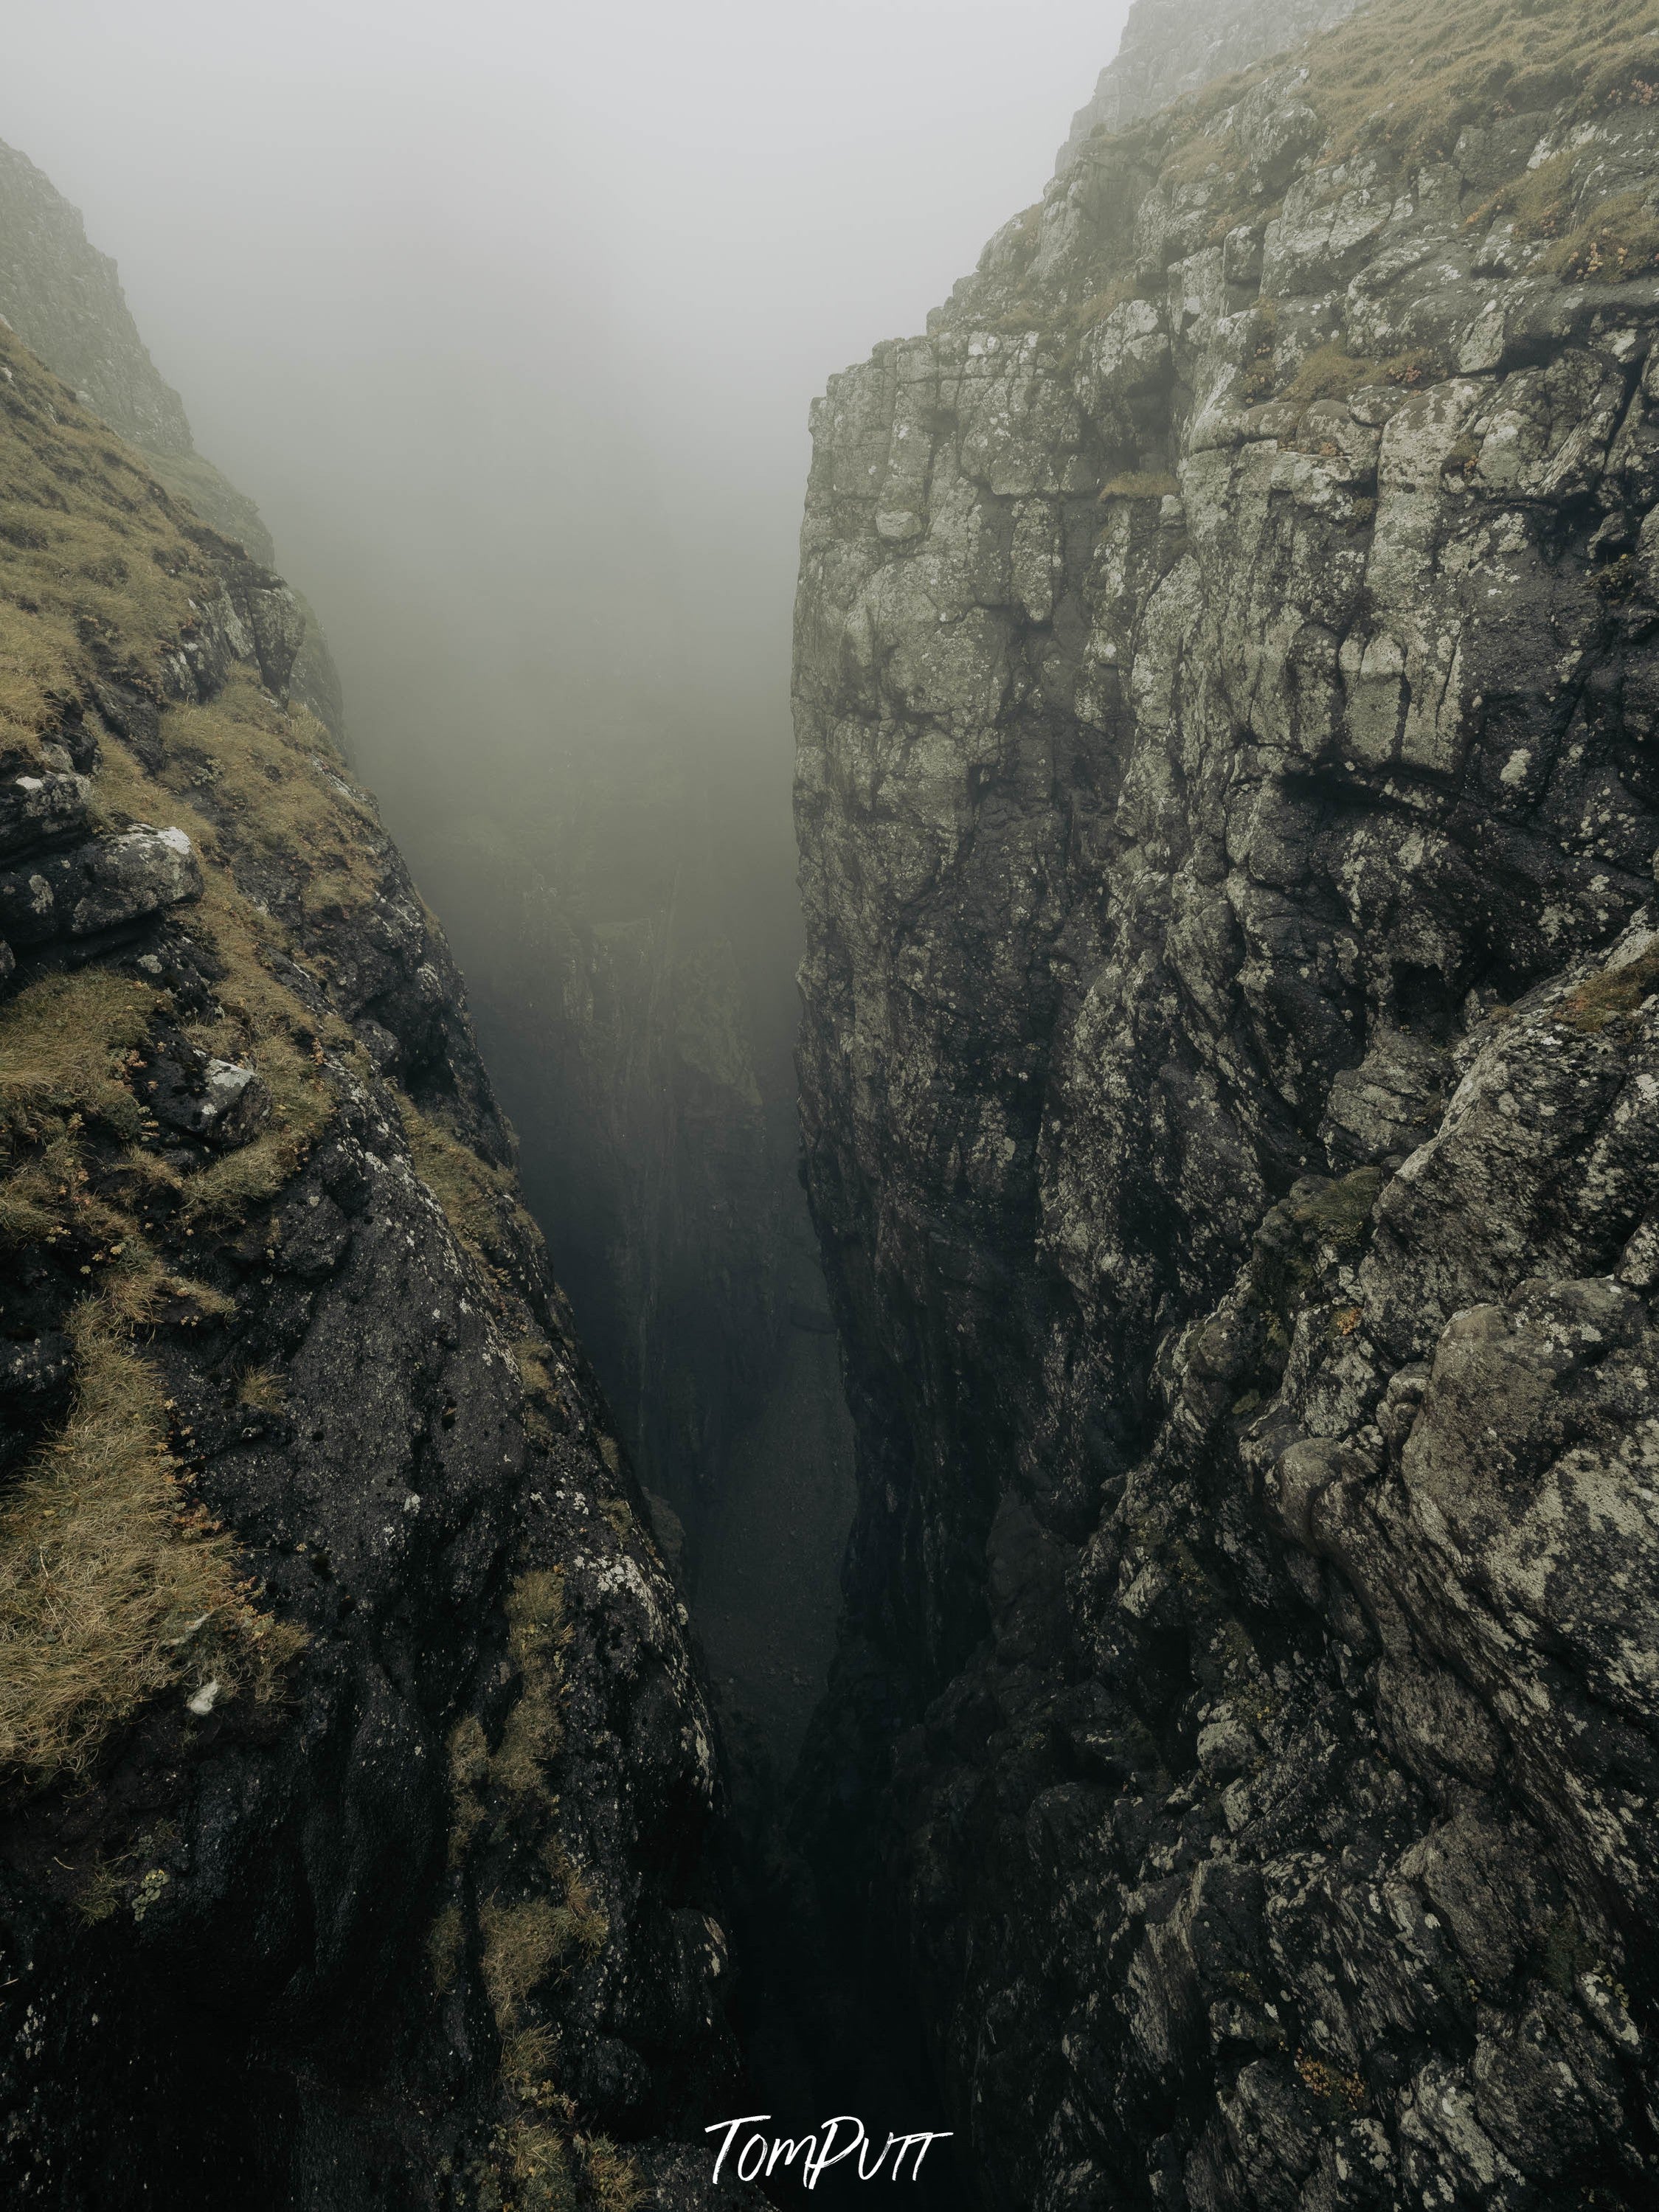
column 1225, row 687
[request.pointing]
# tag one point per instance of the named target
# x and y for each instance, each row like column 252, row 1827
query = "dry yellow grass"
column 612, row 2176
column 64, row 1048
column 109, row 1594
column 1409, row 74
column 521, row 1944
column 481, row 1202
column 274, row 775
column 1140, row 483
column 1404, row 78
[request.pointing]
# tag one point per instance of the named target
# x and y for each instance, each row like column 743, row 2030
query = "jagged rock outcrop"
column 64, row 300
column 1227, row 645
column 355, row 1777
column 1171, row 47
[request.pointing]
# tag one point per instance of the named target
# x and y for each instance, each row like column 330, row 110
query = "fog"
column 508, row 315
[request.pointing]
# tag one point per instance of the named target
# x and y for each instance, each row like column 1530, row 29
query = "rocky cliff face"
column 1226, row 669
column 1172, row 47
column 356, row 1778
column 64, row 300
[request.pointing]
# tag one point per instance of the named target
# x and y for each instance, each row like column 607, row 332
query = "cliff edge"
column 1173, row 47
column 64, row 300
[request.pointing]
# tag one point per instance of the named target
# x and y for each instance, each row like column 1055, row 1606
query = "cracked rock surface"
column 1225, row 687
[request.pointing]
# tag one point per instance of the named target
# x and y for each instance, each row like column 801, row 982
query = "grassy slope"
column 103, row 1564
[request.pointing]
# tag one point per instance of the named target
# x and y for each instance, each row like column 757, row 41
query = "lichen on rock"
column 1227, row 841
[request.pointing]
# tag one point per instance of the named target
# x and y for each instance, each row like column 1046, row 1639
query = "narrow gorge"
column 1202, row 1234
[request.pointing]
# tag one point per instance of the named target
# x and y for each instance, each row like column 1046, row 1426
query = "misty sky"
column 508, row 315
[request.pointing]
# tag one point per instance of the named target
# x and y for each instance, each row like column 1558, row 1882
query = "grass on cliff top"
column 96, row 563
column 1403, row 78
column 1408, row 75
column 110, row 1592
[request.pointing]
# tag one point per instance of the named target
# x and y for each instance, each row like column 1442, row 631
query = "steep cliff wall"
column 1172, row 47
column 1226, row 691
column 355, row 1779
column 64, row 300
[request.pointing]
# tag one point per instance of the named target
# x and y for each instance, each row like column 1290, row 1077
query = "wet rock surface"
column 1224, row 658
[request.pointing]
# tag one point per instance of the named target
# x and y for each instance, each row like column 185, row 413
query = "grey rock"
column 1173, row 46
column 116, row 879
column 138, row 872
column 1230, row 1096
column 220, row 1101
column 36, row 809
column 36, row 1367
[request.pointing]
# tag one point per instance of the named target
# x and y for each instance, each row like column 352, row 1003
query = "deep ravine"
column 1211, row 1271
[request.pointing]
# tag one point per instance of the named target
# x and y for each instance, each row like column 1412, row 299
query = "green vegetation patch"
column 481, row 1203
column 1409, row 75
column 273, row 778
column 67, row 1046
column 1405, row 78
